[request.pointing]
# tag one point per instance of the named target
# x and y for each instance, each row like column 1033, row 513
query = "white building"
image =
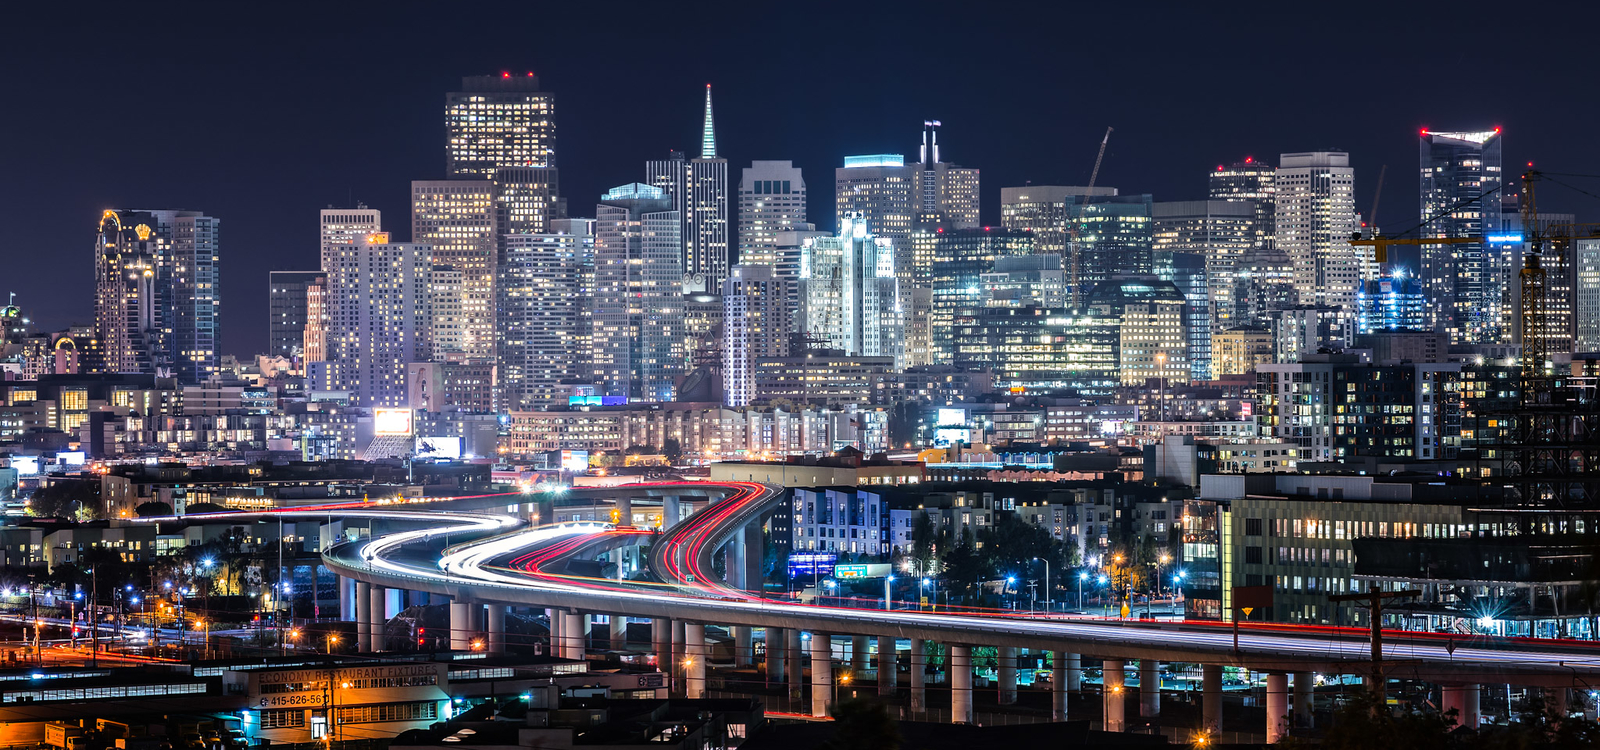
column 1587, row 313
column 699, row 192
column 340, row 227
column 541, row 301
column 1316, row 214
column 379, row 319
column 848, row 291
column 756, row 324
column 638, row 330
column 772, row 199
column 840, row 519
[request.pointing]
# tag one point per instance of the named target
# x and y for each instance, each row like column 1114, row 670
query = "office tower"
column 790, row 249
column 1187, row 271
column 194, row 296
column 1463, row 282
column 1025, row 281
column 755, row 303
column 498, row 121
column 1153, row 341
column 892, row 196
column 1239, row 350
column 541, row 315
column 339, row 227
column 637, row 344
column 1042, row 210
column 1115, row 238
column 287, row 311
column 1392, row 302
column 525, row 199
column 1316, row 214
column 1220, row 232
column 1558, row 259
column 583, row 228
column 1586, row 306
column 1040, row 349
column 378, row 319
column 1251, row 182
column 130, row 256
column 772, row 199
column 1263, row 281
column 699, row 192
column 447, row 335
column 457, row 219
column 1303, row 330
column 315, row 337
column 960, row 258
column 944, row 189
column 848, row 292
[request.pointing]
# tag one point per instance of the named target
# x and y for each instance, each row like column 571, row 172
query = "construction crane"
column 1076, row 257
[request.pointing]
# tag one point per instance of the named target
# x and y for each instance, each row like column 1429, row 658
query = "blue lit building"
column 1391, row 303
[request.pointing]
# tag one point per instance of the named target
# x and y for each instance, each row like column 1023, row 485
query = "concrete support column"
column 574, row 635
column 1277, row 707
column 888, row 670
column 347, row 599
column 363, row 606
column 694, row 659
column 661, row 641
column 1112, row 699
column 1074, row 673
column 733, row 562
column 754, row 556
column 821, row 674
column 744, row 653
column 1058, row 685
column 461, row 626
column 858, row 655
column 497, row 628
column 1149, row 688
column 380, row 617
column 919, row 665
column 678, row 655
column 1211, row 697
column 960, row 684
column 794, row 664
column 1464, row 699
column 554, row 617
column 1007, row 673
column 777, row 641
column 619, row 631
column 669, row 512
column 624, row 511
column 1305, row 685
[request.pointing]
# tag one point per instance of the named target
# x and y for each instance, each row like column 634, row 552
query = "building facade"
column 772, row 200
column 637, row 327
column 1315, row 217
column 1463, row 281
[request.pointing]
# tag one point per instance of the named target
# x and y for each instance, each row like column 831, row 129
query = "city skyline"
column 302, row 160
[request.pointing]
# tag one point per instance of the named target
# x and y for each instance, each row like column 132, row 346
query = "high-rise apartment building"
column 848, row 290
column 157, row 292
column 1253, row 182
column 287, row 313
column 1219, row 231
column 541, row 315
column 379, row 319
column 699, row 192
column 1042, row 210
column 637, row 344
column 1586, row 307
column 756, row 325
column 194, row 297
column 1316, row 215
column 772, row 199
column 499, row 121
column 457, row 219
column 1463, row 282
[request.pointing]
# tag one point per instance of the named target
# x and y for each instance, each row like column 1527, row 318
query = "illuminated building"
column 1513, row 243
column 960, row 258
column 193, row 295
column 379, row 319
column 445, row 343
column 699, row 192
column 1115, row 238
column 457, row 219
column 1239, row 350
column 1153, row 341
column 314, row 339
column 1464, row 282
column 1303, row 330
column 1587, row 299
column 945, row 189
column 1219, row 231
column 338, row 227
column 1187, row 271
column 825, row 377
column 156, row 292
column 542, row 305
column 1025, row 281
column 1316, row 215
column 1038, row 348
column 848, row 293
column 892, row 195
column 287, row 310
column 499, row 121
column 1263, row 281
column 1042, row 210
column 525, row 200
column 1392, row 303
column 772, row 199
column 757, row 324
column 1254, row 183
column 637, row 343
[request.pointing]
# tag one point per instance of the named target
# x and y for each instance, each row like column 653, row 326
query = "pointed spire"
column 708, row 139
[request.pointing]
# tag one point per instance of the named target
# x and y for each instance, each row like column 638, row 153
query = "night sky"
column 262, row 113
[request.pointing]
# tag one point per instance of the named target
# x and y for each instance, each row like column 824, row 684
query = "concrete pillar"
column 380, row 618
column 574, row 635
column 1007, row 673
column 1074, row 673
column 669, row 512
column 1277, row 707
column 960, row 684
column 1305, row 686
column 776, row 640
column 858, row 655
column 744, row 653
column 347, row 599
column 794, row 664
column 1464, row 699
column 624, row 511
column 497, row 628
column 619, row 631
column 1058, row 685
column 821, row 674
column 888, row 674
column 363, row 616
column 1111, row 697
column 1211, row 697
column 919, row 663
column 554, row 617
column 733, row 562
column 1149, row 688
column 678, row 654
column 694, row 659
column 754, row 557
column 461, row 626
column 661, row 642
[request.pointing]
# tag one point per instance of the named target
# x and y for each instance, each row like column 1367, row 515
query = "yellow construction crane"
column 1380, row 244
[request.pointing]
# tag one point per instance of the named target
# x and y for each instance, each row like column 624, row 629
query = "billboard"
column 439, row 447
column 574, row 461
column 390, row 422
column 808, row 564
column 71, row 458
column 26, row 466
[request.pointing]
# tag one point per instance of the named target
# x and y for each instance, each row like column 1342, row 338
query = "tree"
column 672, row 449
column 964, row 567
column 923, row 538
column 67, row 498
column 152, row 508
column 862, row 724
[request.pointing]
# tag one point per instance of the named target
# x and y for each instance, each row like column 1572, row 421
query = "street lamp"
column 1101, row 581
column 1082, row 576
column 332, row 639
column 888, row 593
column 1047, row 591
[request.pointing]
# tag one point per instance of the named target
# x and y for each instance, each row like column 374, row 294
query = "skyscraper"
column 499, row 121
column 1316, row 214
column 343, row 226
column 1219, row 231
column 1463, row 282
column 756, row 324
column 947, row 190
column 772, row 199
column 541, row 315
column 1042, row 210
column 848, row 292
column 892, row 196
column 457, row 219
column 637, row 344
column 194, row 295
column 157, row 292
column 379, row 319
column 287, row 311
column 699, row 192
column 960, row 258
column 1115, row 238
column 1253, row 182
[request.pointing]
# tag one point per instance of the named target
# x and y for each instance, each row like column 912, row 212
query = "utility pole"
column 1374, row 599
